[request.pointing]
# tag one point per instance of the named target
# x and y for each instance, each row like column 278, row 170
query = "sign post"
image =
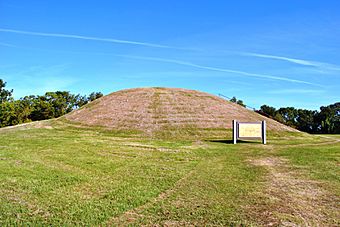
column 264, row 136
column 234, row 132
column 249, row 130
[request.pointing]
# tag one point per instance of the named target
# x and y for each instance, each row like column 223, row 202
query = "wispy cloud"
column 173, row 61
column 7, row 44
column 93, row 38
column 316, row 64
column 242, row 73
column 190, row 64
column 296, row 91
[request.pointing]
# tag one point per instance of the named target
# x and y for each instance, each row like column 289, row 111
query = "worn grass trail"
column 59, row 174
column 211, row 193
column 291, row 199
column 302, row 183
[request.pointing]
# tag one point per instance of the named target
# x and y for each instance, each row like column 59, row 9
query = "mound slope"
column 153, row 110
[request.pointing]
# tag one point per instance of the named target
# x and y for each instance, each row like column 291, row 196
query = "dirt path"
column 131, row 215
column 292, row 200
column 34, row 124
column 332, row 141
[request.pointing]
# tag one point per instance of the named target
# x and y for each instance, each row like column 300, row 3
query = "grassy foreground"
column 59, row 174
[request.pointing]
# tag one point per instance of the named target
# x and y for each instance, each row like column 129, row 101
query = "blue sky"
column 280, row 53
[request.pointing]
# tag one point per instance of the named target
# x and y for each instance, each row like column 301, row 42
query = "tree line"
column 327, row 120
column 55, row 104
column 39, row 107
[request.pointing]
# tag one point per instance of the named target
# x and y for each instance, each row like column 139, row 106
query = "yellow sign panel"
column 249, row 130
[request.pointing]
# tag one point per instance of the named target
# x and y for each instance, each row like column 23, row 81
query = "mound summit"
column 166, row 110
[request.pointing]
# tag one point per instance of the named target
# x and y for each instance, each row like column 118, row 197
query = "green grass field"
column 69, row 175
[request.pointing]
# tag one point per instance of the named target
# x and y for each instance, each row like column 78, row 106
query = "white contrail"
column 263, row 76
column 293, row 60
column 321, row 65
column 7, row 44
column 60, row 35
column 295, row 91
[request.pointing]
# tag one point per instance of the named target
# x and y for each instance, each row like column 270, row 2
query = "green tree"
column 62, row 102
column 94, row 95
column 5, row 95
column 7, row 114
column 13, row 113
column 237, row 101
column 33, row 108
column 42, row 109
column 278, row 117
column 305, row 120
column 233, row 99
column 80, row 101
column 328, row 119
column 269, row 110
column 289, row 115
column 240, row 102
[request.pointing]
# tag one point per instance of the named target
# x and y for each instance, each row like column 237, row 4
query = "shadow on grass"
column 231, row 141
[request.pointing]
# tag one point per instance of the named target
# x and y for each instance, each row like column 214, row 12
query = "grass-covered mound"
column 167, row 113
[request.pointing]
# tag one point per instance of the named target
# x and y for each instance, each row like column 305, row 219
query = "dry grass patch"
column 152, row 110
column 291, row 199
